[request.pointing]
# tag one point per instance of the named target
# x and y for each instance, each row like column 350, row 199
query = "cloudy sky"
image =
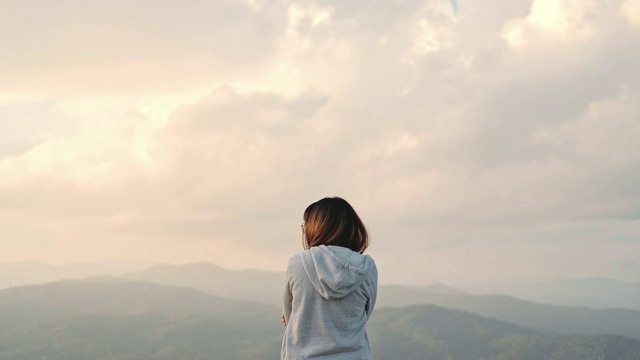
column 478, row 140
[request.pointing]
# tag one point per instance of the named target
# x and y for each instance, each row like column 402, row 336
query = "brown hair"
column 332, row 221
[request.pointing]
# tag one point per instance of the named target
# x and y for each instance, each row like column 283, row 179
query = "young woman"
column 331, row 287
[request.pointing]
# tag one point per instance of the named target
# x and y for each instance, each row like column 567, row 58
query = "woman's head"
column 332, row 221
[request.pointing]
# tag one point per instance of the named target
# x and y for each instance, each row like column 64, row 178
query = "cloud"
column 448, row 136
column 120, row 47
column 631, row 11
column 562, row 21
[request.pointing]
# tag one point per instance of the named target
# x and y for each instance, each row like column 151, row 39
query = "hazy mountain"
column 555, row 318
column 111, row 296
column 260, row 286
column 249, row 284
column 107, row 319
column 110, row 318
column 145, row 336
column 440, row 289
column 430, row 332
column 253, row 285
column 266, row 288
column 31, row 272
column 594, row 292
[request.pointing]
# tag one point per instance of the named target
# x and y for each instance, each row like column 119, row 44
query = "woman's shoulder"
column 295, row 268
column 295, row 262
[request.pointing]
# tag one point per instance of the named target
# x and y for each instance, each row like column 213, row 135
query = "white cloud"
column 631, row 11
column 102, row 150
column 445, row 137
column 558, row 21
column 119, row 47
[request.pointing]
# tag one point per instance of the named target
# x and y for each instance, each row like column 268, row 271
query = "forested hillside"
column 118, row 320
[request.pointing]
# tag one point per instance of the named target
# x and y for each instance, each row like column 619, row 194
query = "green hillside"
column 435, row 333
column 35, row 304
column 266, row 288
column 118, row 320
column 552, row 318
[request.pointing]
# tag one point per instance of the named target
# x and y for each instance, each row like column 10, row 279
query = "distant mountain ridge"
column 251, row 285
column 555, row 318
column 266, row 288
column 592, row 292
column 109, row 318
column 440, row 289
column 597, row 293
column 31, row 272
column 444, row 334
column 115, row 319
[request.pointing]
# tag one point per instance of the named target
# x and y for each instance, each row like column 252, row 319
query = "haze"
column 479, row 141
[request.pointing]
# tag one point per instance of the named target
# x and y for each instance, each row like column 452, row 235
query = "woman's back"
column 331, row 286
column 330, row 294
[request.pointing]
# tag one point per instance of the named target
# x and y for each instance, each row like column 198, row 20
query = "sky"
column 479, row 141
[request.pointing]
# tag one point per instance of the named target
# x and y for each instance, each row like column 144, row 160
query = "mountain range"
column 266, row 288
column 107, row 318
column 591, row 292
column 588, row 292
column 30, row 272
column 195, row 310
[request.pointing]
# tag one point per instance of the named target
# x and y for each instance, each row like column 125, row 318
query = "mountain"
column 112, row 296
column 265, row 287
column 252, row 285
column 591, row 292
column 440, row 289
column 111, row 319
column 249, row 284
column 552, row 318
column 30, row 272
column 145, row 336
column 107, row 318
column 435, row 333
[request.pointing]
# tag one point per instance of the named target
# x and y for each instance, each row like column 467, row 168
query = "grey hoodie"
column 329, row 296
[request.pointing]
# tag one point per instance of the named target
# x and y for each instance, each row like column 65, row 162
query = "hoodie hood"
column 335, row 271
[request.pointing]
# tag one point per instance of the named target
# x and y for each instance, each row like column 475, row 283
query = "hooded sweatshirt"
column 328, row 299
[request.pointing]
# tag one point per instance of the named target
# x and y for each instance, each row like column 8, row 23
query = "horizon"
column 145, row 265
column 478, row 142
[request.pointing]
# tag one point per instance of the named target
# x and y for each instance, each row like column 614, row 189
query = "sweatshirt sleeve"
column 373, row 294
column 287, row 297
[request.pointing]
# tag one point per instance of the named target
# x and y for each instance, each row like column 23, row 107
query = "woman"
column 331, row 287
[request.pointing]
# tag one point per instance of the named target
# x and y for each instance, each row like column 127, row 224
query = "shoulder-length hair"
column 332, row 221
